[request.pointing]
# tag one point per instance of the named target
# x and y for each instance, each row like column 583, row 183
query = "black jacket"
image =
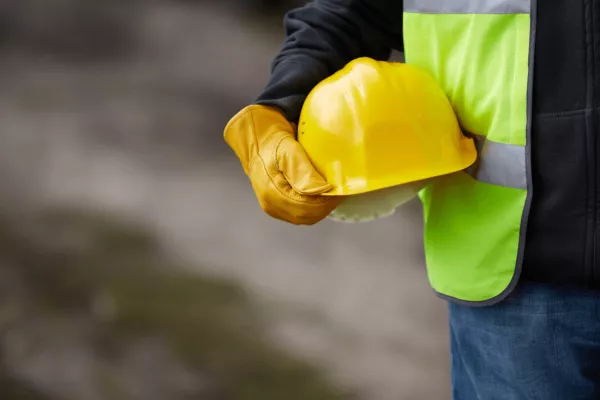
column 563, row 235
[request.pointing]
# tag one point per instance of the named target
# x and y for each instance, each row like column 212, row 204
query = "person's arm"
column 321, row 38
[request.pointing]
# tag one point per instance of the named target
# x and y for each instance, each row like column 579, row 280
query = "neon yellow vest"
column 480, row 51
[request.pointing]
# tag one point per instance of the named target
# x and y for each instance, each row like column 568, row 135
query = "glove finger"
column 290, row 211
column 296, row 167
column 279, row 200
column 300, row 209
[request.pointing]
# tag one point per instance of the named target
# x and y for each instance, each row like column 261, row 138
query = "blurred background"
column 135, row 262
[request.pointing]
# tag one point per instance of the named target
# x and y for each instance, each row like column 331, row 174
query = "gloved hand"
column 285, row 182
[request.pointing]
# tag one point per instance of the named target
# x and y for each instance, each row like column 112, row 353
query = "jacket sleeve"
column 321, row 38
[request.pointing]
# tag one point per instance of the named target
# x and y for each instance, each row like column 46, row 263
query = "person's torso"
column 563, row 235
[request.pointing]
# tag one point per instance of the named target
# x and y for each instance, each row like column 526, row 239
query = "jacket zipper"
column 594, row 143
column 591, row 141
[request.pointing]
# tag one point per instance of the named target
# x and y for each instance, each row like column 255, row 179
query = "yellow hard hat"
column 376, row 124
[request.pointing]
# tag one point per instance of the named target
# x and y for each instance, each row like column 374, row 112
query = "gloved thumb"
column 294, row 164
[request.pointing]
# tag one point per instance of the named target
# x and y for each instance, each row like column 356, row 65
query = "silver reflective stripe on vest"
column 502, row 164
column 468, row 6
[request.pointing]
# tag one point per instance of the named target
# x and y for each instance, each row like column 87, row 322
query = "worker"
column 514, row 248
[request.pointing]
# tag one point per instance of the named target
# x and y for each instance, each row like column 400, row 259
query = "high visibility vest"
column 481, row 53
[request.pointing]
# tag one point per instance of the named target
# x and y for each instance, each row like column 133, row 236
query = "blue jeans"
column 542, row 343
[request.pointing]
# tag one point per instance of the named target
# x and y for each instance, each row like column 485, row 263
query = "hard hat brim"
column 366, row 186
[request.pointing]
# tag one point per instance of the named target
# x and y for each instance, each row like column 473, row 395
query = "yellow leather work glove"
column 285, row 182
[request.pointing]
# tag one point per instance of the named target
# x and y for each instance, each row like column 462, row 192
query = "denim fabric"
column 542, row 343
